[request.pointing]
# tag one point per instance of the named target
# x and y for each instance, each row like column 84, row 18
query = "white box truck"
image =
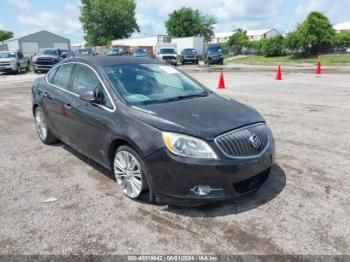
column 194, row 42
column 167, row 52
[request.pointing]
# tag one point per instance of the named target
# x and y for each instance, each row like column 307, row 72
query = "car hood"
column 204, row 117
column 215, row 54
column 7, row 59
column 174, row 55
column 45, row 56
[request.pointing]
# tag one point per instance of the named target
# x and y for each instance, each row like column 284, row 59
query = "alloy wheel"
column 41, row 126
column 127, row 171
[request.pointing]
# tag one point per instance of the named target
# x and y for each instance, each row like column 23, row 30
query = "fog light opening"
column 201, row 190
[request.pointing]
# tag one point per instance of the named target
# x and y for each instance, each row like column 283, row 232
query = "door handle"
column 67, row 106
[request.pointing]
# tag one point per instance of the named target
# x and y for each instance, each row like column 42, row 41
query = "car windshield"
column 7, row 55
column 48, row 52
column 140, row 51
column 152, row 83
column 189, row 51
column 167, row 51
column 114, row 51
column 212, row 50
column 84, row 52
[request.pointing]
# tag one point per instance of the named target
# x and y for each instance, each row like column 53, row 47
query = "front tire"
column 42, row 127
column 18, row 70
column 130, row 172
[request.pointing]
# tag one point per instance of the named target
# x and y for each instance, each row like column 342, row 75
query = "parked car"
column 167, row 52
column 159, row 130
column 66, row 54
column 118, row 51
column 13, row 62
column 214, row 54
column 140, row 52
column 84, row 52
column 45, row 59
column 189, row 55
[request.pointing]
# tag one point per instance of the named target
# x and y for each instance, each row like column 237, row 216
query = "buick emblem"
column 255, row 141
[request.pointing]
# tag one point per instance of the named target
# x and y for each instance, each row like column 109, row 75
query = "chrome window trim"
column 99, row 78
column 239, row 129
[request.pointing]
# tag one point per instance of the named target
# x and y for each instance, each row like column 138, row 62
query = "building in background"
column 345, row 26
column 196, row 42
column 78, row 46
column 259, row 34
column 30, row 44
column 147, row 42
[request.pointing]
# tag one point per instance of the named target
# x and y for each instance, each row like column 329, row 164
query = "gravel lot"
column 304, row 209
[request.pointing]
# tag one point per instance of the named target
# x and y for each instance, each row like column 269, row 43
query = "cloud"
column 53, row 21
column 22, row 5
column 73, row 8
column 336, row 10
column 248, row 14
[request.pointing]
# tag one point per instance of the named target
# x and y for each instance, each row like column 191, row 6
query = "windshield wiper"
column 177, row 98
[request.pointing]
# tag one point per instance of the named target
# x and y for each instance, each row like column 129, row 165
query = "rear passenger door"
column 91, row 120
column 57, row 100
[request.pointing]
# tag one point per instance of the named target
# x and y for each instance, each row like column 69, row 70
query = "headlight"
column 34, row 59
column 187, row 146
column 12, row 62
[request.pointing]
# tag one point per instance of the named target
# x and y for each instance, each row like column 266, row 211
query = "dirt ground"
column 304, row 209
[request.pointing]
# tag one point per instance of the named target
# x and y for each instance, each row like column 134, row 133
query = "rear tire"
column 130, row 172
column 42, row 127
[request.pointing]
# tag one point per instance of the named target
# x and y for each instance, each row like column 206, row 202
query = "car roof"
column 113, row 60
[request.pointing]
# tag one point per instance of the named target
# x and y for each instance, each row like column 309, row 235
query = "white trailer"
column 141, row 41
column 196, row 42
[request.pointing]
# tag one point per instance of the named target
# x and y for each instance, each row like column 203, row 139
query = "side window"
column 86, row 79
column 62, row 76
column 19, row 55
column 51, row 74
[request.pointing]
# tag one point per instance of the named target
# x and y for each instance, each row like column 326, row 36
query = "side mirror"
column 88, row 96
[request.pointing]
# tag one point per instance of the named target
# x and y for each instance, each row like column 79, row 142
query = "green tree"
column 273, row 46
column 238, row 40
column 4, row 35
column 342, row 40
column 314, row 35
column 105, row 20
column 187, row 22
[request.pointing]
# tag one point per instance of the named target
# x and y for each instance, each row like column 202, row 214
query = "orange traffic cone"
column 221, row 81
column 318, row 68
column 279, row 73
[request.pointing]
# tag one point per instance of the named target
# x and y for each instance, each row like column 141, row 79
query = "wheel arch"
column 118, row 142
column 34, row 107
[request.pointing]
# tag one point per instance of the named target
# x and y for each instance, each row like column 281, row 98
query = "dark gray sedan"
column 161, row 132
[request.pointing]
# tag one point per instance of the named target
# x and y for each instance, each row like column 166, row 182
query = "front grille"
column 238, row 143
column 46, row 61
column 168, row 58
column 4, row 63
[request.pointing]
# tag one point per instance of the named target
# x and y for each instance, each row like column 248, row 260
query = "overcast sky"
column 62, row 17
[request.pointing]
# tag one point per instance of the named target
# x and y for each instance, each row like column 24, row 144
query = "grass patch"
column 331, row 59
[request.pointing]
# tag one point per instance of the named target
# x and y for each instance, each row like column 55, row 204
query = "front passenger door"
column 91, row 120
